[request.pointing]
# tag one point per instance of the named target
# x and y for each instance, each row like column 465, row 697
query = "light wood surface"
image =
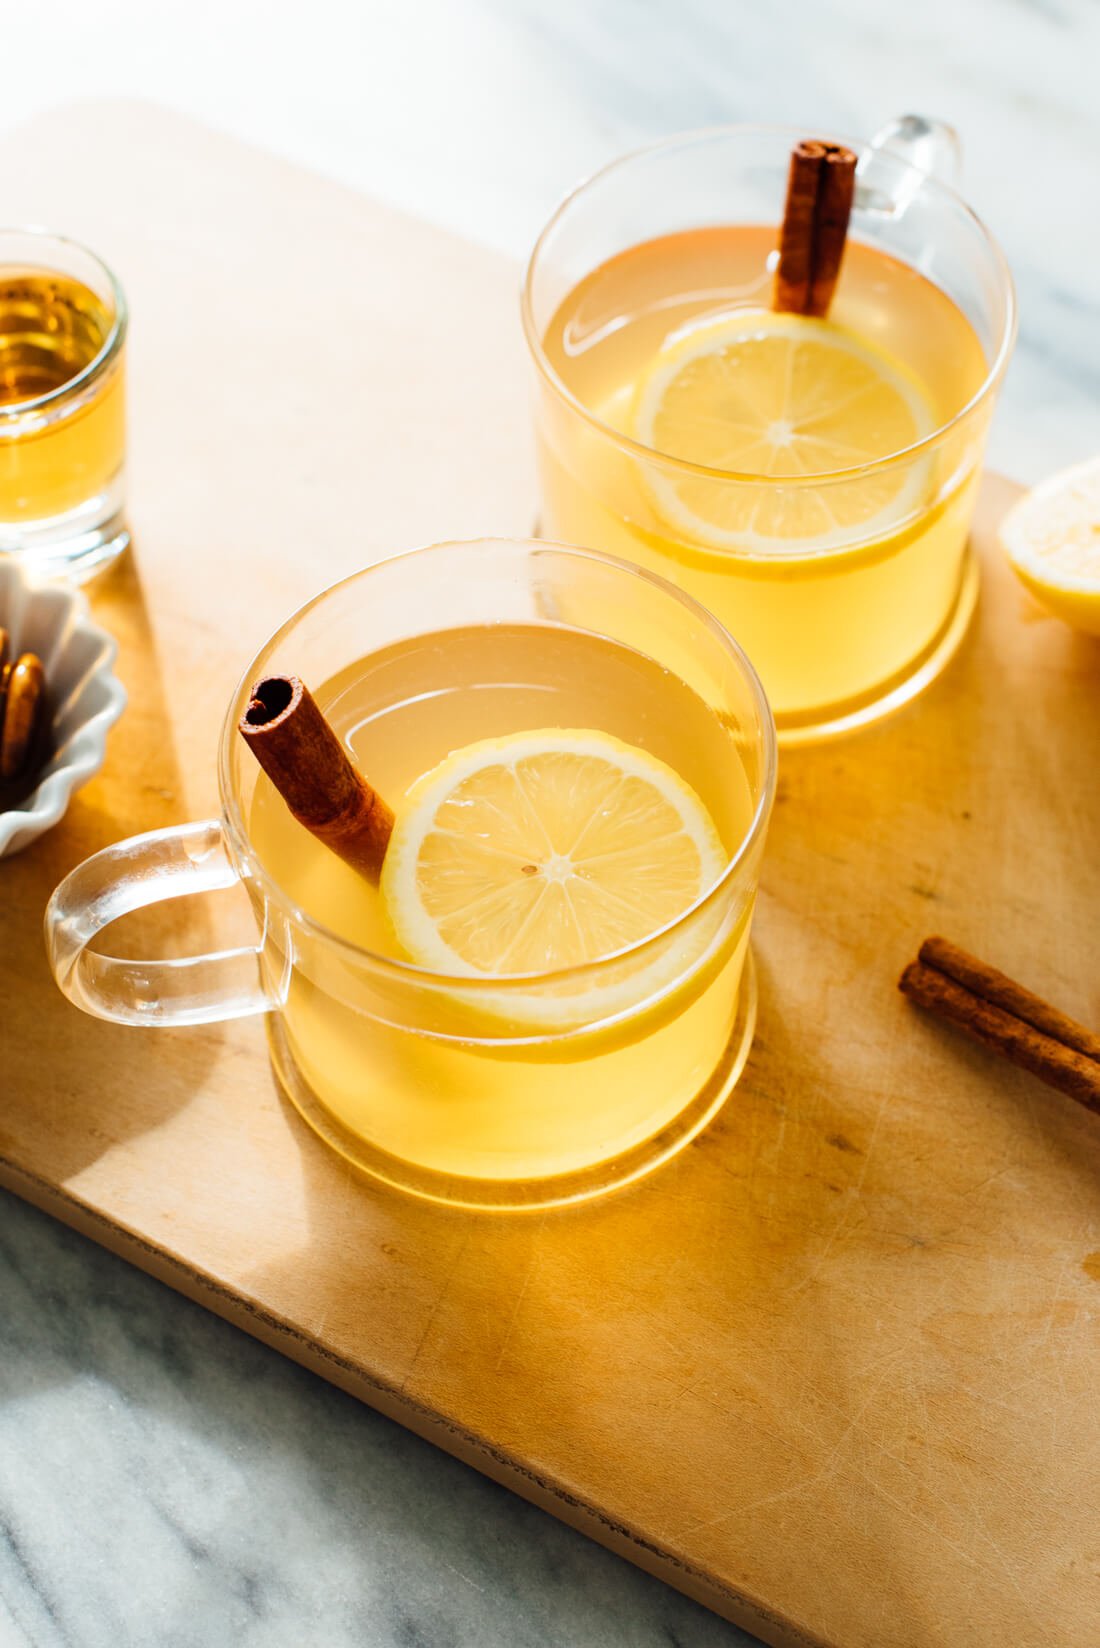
column 833, row 1372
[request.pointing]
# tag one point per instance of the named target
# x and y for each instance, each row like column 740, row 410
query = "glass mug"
column 849, row 584
column 507, row 1091
column 62, row 405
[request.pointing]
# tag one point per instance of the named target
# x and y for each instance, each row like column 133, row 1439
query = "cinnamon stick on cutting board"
column 992, row 1008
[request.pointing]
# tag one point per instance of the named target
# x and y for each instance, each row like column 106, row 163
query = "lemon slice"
column 781, row 397
column 544, row 851
column 1052, row 538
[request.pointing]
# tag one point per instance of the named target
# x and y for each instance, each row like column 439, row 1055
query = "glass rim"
column 112, row 343
column 683, row 466
column 511, row 984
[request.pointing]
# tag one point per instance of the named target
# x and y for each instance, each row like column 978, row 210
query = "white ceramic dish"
column 86, row 698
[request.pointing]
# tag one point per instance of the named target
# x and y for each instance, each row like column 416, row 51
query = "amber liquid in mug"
column 828, row 622
column 460, row 1103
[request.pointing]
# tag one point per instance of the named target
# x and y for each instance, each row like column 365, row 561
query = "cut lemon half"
column 1052, row 538
column 776, row 397
column 543, row 851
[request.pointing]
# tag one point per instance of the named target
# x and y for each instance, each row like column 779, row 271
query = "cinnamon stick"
column 982, row 979
column 835, row 193
column 313, row 773
column 23, row 713
column 993, row 1009
column 820, row 190
column 24, row 692
column 795, row 272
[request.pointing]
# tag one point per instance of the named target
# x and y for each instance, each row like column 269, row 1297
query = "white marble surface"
column 163, row 1480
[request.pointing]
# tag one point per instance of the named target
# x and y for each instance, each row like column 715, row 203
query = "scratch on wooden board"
column 990, row 1178
column 981, row 1528
column 843, row 1223
column 829, row 1467
column 996, row 1574
column 527, row 1275
column 657, row 1330
column 1052, row 1309
column 437, row 1304
column 349, row 1197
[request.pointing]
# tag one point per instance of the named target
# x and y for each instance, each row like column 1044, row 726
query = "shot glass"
column 62, row 406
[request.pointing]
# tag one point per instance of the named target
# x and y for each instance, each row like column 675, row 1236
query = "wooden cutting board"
column 833, row 1372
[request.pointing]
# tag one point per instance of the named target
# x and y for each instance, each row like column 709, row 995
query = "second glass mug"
column 505, row 1092
column 846, row 624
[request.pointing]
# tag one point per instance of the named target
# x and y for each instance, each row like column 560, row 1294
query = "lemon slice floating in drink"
column 1052, row 537
column 546, row 850
column 769, row 396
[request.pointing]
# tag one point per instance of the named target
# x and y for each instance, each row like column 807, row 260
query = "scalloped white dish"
column 85, row 696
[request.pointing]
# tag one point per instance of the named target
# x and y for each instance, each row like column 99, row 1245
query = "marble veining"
column 164, row 1480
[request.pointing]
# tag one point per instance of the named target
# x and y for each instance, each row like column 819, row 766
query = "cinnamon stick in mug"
column 794, row 275
column 820, row 190
column 835, row 192
column 308, row 765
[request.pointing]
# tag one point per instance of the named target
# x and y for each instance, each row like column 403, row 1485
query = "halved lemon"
column 780, row 396
column 542, row 851
column 1052, row 538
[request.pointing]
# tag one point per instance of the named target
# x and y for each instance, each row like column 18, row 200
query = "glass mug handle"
column 931, row 147
column 148, row 869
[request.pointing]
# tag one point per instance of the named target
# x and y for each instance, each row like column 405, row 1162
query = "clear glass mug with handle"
column 821, row 513
column 503, row 1091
